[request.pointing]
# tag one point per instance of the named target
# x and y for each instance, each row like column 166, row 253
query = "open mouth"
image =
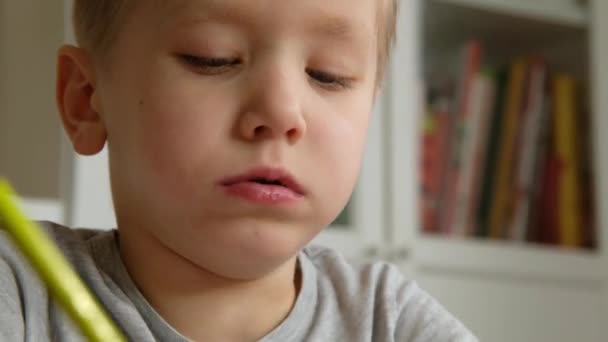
column 266, row 176
column 267, row 181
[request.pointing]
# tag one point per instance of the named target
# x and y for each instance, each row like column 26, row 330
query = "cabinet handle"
column 372, row 252
column 402, row 253
column 399, row 254
column 393, row 255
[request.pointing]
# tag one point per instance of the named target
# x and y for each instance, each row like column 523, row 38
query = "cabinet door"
column 599, row 13
column 404, row 89
column 381, row 219
column 504, row 291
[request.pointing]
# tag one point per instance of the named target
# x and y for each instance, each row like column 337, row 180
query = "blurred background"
column 484, row 177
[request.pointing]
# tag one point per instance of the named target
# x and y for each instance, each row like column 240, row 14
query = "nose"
column 273, row 107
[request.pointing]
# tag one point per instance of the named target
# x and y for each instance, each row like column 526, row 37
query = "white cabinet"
column 504, row 291
column 393, row 184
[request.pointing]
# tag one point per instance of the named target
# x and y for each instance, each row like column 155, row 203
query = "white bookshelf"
column 509, row 260
column 500, row 24
column 505, row 33
column 565, row 12
column 463, row 271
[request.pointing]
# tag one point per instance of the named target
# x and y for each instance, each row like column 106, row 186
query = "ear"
column 77, row 100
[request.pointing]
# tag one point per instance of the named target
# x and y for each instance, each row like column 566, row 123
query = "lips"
column 265, row 185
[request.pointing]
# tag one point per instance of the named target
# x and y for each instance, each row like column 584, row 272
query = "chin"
column 273, row 243
column 247, row 266
column 249, row 252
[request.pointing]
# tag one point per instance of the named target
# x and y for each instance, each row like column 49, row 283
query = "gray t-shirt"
column 337, row 301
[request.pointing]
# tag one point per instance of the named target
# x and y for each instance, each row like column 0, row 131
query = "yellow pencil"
column 63, row 282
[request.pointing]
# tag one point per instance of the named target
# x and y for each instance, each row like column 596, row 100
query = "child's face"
column 199, row 92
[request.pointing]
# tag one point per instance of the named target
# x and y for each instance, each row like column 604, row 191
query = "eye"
column 209, row 65
column 328, row 80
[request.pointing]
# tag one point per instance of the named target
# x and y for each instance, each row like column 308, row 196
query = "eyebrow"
column 332, row 27
column 214, row 10
column 336, row 29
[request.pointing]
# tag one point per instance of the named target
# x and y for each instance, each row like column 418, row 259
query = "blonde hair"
column 387, row 34
column 97, row 22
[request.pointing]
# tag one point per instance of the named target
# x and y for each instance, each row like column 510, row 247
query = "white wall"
column 30, row 32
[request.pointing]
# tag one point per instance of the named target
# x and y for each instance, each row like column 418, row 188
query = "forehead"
column 342, row 19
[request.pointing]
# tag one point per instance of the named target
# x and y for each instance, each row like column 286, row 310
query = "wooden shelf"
column 560, row 12
column 509, row 259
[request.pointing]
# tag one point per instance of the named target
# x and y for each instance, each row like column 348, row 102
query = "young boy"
column 235, row 131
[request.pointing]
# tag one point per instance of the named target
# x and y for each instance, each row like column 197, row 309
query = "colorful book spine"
column 565, row 123
column 433, row 156
column 426, row 164
column 507, row 156
column 535, row 223
column 481, row 149
column 586, row 175
column 532, row 128
column 548, row 205
column 489, row 171
column 503, row 198
column 473, row 150
column 471, row 63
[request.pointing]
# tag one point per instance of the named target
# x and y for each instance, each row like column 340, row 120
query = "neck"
column 225, row 309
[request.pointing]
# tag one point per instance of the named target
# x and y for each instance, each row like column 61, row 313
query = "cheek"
column 344, row 136
column 339, row 144
column 172, row 132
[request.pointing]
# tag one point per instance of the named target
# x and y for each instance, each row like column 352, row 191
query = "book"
column 548, row 222
column 433, row 155
column 471, row 61
column 536, row 217
column 473, row 154
column 566, row 152
column 488, row 170
column 532, row 135
column 506, row 162
column 586, row 175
